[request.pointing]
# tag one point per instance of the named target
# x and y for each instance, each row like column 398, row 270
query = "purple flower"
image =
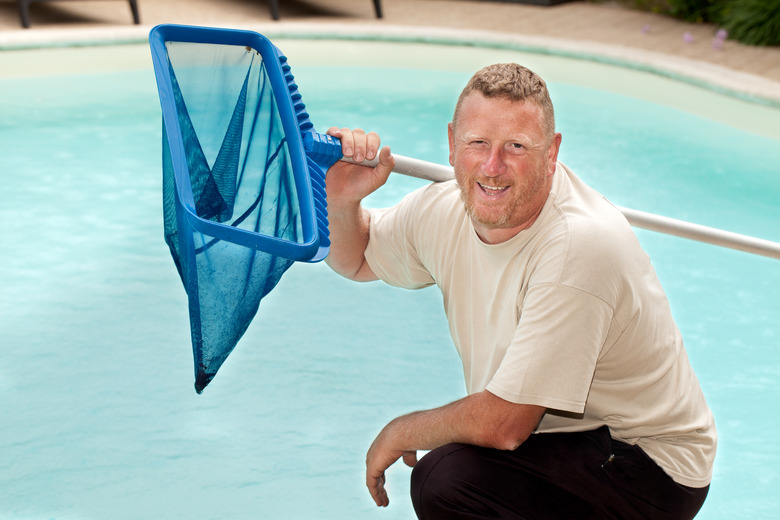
column 722, row 34
column 717, row 44
column 646, row 28
column 687, row 37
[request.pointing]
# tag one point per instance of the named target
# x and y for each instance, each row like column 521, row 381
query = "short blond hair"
column 513, row 82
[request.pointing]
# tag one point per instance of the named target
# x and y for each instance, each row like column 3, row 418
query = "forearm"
column 480, row 419
column 349, row 232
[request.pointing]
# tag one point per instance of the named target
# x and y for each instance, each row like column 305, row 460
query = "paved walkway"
column 574, row 27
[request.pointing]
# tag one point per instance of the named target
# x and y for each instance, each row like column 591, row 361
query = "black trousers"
column 586, row 475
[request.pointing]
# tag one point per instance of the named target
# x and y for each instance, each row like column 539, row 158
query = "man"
column 581, row 400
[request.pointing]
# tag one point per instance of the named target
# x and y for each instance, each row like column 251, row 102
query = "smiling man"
column 581, row 402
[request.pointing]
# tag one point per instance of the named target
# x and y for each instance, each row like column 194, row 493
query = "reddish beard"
column 507, row 213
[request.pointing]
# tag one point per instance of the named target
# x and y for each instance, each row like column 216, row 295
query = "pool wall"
column 707, row 75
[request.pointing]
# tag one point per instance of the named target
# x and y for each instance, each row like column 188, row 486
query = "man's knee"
column 460, row 481
column 446, row 482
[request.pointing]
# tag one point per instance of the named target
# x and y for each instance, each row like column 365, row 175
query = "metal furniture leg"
column 24, row 12
column 136, row 15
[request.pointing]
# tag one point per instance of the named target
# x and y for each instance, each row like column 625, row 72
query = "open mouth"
column 492, row 190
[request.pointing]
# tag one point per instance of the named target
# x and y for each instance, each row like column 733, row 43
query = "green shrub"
column 697, row 11
column 755, row 22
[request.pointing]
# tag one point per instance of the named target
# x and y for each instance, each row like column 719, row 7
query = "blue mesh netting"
column 241, row 176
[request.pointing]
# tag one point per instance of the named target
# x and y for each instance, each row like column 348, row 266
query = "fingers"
column 375, row 473
column 410, row 458
column 378, row 459
column 372, row 145
column 356, row 143
column 383, row 167
column 376, row 487
column 386, row 158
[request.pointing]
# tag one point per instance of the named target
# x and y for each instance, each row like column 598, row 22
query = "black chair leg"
column 24, row 12
column 134, row 9
column 378, row 8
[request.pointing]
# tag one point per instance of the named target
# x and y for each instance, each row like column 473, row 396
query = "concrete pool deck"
column 605, row 32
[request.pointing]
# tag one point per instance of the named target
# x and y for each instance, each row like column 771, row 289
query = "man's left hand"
column 381, row 455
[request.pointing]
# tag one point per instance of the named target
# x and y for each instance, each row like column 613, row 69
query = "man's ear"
column 552, row 153
column 451, row 139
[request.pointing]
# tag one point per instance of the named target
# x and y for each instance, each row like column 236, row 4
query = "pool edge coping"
column 741, row 85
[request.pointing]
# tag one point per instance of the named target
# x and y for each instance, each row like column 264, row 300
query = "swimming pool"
column 100, row 417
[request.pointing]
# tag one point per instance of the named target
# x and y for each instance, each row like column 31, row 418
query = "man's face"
column 503, row 163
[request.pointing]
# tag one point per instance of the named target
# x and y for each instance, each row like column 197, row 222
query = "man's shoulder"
column 588, row 234
column 588, row 216
column 437, row 197
column 423, row 211
column 442, row 189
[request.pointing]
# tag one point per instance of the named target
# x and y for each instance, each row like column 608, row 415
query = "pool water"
column 100, row 418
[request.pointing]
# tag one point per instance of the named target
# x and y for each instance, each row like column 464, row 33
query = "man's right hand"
column 348, row 183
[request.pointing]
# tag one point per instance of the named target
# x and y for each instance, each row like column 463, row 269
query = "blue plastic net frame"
column 311, row 196
column 224, row 252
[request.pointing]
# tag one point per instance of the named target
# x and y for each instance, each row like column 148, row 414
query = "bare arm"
column 347, row 185
column 481, row 419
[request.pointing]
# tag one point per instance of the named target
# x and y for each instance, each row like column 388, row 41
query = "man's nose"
column 494, row 164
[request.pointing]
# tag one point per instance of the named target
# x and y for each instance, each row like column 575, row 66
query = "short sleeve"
column 552, row 357
column 392, row 250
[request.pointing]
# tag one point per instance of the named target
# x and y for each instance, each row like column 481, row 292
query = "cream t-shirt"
column 568, row 314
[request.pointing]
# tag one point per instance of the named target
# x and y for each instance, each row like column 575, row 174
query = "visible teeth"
column 492, row 188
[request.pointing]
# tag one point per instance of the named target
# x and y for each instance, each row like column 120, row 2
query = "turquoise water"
column 100, row 419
